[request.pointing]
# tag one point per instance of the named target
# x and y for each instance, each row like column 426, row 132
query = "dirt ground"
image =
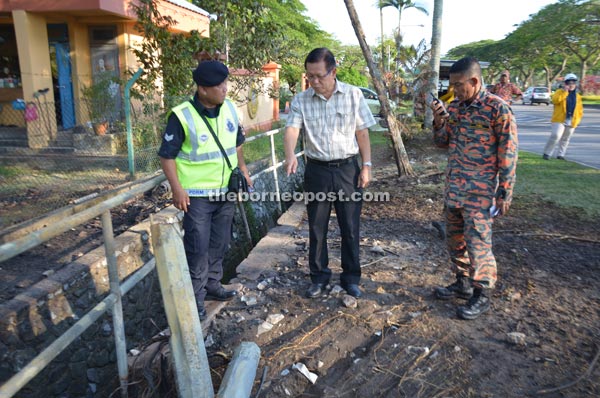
column 541, row 338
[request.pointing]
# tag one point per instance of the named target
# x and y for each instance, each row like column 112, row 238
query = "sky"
column 463, row 21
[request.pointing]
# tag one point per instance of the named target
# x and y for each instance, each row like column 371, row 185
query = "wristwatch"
column 367, row 164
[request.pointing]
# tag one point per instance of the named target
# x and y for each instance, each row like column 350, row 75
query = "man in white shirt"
column 336, row 119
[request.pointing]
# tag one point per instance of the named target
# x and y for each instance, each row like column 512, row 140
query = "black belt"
column 332, row 163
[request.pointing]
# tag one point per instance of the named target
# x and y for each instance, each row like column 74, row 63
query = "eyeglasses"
column 318, row 77
column 571, row 82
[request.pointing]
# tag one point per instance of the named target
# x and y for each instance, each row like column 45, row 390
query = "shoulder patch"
column 230, row 126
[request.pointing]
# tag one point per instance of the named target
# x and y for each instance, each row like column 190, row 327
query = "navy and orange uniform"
column 481, row 138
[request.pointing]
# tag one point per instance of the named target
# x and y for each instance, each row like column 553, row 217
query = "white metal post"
column 117, row 310
column 192, row 372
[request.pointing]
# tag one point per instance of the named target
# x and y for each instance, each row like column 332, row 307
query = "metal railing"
column 273, row 158
column 112, row 302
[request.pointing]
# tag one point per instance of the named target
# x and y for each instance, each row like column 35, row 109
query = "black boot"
column 316, row 289
column 477, row 305
column 461, row 289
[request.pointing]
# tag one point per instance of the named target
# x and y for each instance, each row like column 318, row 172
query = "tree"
column 402, row 161
column 352, row 67
column 516, row 52
column 400, row 5
column 298, row 34
column 414, row 58
column 563, row 35
column 381, row 37
column 576, row 37
column 246, row 33
column 385, row 52
column 163, row 54
column 249, row 33
column 352, row 76
column 434, row 63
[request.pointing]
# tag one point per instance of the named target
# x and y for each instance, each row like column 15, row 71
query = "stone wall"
column 32, row 320
column 87, row 368
column 261, row 215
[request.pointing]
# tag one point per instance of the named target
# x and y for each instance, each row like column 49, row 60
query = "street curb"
column 275, row 247
column 591, row 106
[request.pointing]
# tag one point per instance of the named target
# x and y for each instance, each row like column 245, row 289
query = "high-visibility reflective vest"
column 201, row 167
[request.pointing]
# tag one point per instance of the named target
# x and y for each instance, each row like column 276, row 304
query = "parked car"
column 373, row 101
column 536, row 95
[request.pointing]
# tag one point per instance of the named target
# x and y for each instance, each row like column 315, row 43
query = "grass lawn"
column 564, row 183
column 261, row 148
column 591, row 99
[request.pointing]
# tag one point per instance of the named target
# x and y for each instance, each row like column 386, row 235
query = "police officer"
column 480, row 133
column 197, row 171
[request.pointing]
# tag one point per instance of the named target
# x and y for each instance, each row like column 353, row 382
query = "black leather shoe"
column 546, row 157
column 353, row 290
column 315, row 290
column 461, row 289
column 221, row 295
column 202, row 313
column 477, row 305
column 560, row 157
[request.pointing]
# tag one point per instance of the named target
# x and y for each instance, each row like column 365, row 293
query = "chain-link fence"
column 52, row 155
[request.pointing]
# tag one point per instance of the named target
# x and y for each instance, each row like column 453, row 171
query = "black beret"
column 210, row 73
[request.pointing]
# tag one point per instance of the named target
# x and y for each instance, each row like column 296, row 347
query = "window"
column 103, row 35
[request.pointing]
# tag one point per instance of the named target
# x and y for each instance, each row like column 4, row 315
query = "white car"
column 373, row 101
column 537, row 95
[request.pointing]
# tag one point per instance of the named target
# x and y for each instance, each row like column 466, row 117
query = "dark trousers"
column 338, row 183
column 207, row 228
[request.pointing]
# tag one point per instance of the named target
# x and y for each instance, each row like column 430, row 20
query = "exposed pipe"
column 240, row 374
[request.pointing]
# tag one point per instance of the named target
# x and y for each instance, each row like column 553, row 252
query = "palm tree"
column 436, row 40
column 400, row 5
column 381, row 26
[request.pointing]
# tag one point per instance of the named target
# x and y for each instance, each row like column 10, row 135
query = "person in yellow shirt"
column 568, row 111
column 449, row 96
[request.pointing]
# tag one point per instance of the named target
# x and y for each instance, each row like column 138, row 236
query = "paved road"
column 534, row 130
